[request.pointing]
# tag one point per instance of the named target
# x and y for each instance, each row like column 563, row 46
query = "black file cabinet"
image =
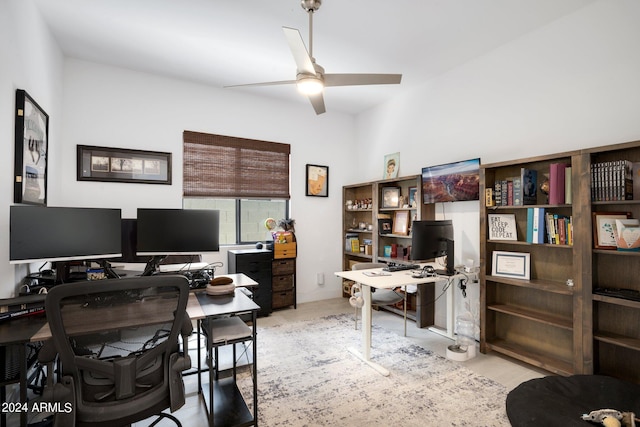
column 256, row 264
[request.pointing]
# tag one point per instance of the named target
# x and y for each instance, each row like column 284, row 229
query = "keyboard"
column 629, row 294
column 392, row 266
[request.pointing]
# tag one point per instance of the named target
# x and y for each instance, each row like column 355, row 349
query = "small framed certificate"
column 516, row 265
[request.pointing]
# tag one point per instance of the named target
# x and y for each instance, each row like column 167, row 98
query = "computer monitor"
column 432, row 239
column 177, row 231
column 41, row 234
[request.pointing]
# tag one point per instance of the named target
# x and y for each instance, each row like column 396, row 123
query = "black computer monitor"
column 177, row 231
column 432, row 239
column 41, row 234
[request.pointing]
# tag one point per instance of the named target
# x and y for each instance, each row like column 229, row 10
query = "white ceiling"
column 227, row 42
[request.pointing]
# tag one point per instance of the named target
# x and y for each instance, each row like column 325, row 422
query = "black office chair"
column 117, row 342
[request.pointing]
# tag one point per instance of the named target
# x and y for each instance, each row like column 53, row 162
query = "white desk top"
column 388, row 280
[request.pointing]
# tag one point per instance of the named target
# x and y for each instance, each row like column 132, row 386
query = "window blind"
column 226, row 166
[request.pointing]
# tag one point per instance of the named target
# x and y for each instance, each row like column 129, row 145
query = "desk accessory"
column 220, row 286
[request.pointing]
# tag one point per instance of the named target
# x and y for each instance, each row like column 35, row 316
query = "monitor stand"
column 450, row 270
column 152, row 265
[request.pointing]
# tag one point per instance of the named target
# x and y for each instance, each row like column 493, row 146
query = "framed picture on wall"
column 317, row 181
column 31, row 148
column 109, row 164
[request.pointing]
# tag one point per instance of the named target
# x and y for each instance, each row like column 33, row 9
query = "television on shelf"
column 433, row 239
column 451, row 182
column 52, row 234
column 164, row 232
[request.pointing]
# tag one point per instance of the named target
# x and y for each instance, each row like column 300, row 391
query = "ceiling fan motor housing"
column 310, row 5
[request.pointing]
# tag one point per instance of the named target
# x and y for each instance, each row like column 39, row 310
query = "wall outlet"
column 320, row 278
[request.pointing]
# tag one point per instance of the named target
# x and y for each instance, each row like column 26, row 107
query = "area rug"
column 307, row 377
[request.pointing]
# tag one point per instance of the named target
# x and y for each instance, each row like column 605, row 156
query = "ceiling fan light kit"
column 310, row 77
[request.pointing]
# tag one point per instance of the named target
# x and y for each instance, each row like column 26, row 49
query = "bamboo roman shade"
column 225, row 166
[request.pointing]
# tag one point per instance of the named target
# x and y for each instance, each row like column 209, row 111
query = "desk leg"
column 365, row 355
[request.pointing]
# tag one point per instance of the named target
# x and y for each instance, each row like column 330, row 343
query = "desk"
column 390, row 281
column 200, row 305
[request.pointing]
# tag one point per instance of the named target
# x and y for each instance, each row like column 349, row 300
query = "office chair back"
column 117, row 342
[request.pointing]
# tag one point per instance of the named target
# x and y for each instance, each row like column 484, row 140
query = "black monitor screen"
column 40, row 233
column 177, row 231
column 432, row 239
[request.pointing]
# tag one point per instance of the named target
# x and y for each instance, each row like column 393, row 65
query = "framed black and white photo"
column 31, row 148
column 123, row 165
column 317, row 181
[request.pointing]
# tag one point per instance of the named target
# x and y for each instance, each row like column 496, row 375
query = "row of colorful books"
column 523, row 189
column 546, row 227
column 614, row 180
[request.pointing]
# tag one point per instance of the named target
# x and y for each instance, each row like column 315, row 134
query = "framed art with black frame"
column 31, row 151
column 123, row 165
column 317, row 181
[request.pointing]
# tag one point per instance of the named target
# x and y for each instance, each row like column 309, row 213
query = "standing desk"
column 387, row 281
column 199, row 306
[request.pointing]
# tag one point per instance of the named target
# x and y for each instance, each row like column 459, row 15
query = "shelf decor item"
column 391, row 166
column 390, row 197
column 31, row 151
column 401, row 222
column 109, row 164
column 385, row 225
column 516, row 265
column 317, row 181
column 502, row 227
column 604, row 229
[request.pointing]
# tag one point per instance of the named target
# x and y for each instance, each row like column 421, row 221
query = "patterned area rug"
column 307, row 377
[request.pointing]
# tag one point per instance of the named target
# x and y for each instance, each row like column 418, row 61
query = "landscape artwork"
column 451, row 182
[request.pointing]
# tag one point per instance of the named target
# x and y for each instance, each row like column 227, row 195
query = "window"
column 247, row 180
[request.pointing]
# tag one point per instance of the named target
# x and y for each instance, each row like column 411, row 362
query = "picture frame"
column 390, row 197
column 391, row 166
column 401, row 223
column 317, row 180
column 31, row 151
column 413, row 192
column 502, row 227
column 385, row 225
column 604, row 228
column 108, row 164
column 516, row 265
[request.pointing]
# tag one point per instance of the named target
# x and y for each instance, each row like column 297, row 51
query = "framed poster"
column 516, row 265
column 604, row 225
column 31, row 148
column 502, row 227
column 123, row 165
column 317, row 181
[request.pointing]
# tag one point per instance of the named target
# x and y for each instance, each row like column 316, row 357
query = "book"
column 567, row 185
column 509, row 193
column 497, row 193
column 489, row 199
column 529, row 184
column 556, row 183
column 504, row 188
column 538, row 225
column 529, row 225
column 517, row 191
column 636, row 180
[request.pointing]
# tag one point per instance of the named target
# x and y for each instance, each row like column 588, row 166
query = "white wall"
column 572, row 84
column 114, row 107
column 31, row 61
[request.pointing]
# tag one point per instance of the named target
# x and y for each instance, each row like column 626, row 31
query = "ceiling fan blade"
column 318, row 103
column 299, row 51
column 283, row 82
column 361, row 79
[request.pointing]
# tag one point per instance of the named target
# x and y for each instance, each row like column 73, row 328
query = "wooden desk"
column 199, row 306
column 389, row 281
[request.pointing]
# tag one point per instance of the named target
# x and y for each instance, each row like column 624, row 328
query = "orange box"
column 284, row 250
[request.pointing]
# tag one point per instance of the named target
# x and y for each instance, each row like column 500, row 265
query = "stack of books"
column 611, row 181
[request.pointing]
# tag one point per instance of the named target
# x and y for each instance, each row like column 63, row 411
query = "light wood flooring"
column 507, row 372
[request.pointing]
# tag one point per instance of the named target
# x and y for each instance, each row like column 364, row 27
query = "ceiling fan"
column 310, row 77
